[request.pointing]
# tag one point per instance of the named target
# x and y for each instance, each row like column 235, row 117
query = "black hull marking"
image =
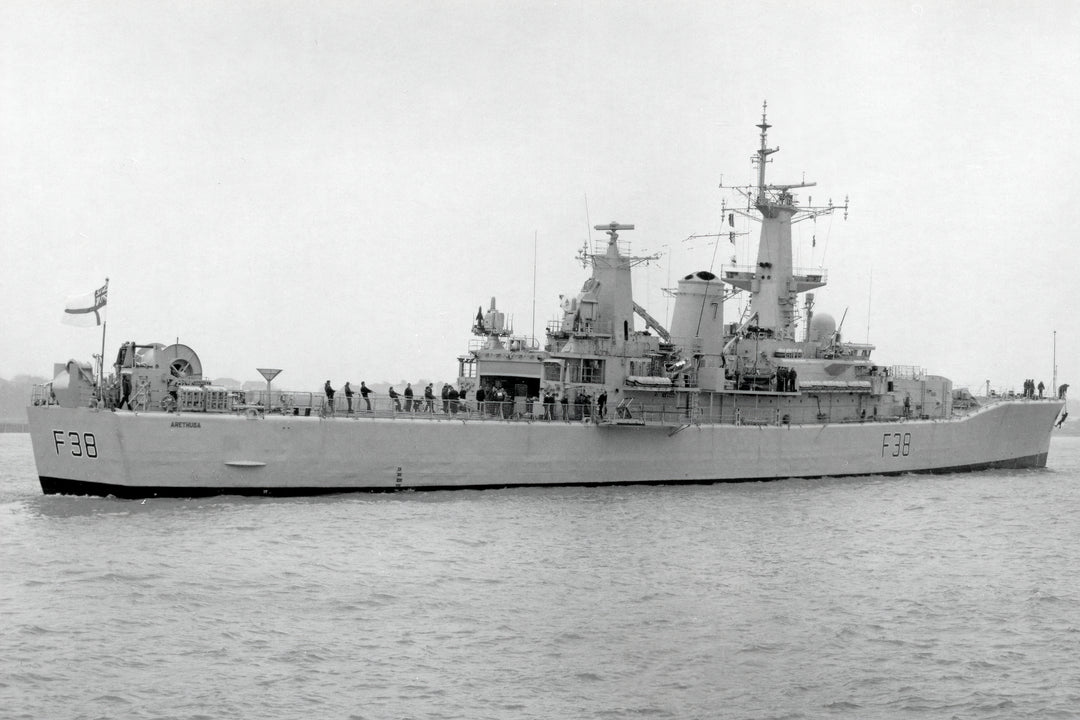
column 63, row 486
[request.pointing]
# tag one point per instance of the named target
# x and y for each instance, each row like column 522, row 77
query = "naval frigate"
column 772, row 394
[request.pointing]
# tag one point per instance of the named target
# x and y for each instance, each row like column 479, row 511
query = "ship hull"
column 129, row 455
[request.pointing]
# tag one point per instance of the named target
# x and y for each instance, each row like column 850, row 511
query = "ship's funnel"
column 698, row 319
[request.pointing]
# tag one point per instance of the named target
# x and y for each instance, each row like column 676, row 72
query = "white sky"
column 333, row 188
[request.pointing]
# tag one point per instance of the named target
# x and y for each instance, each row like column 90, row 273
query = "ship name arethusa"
column 774, row 393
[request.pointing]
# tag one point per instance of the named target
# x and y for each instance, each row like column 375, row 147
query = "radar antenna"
column 612, row 229
column 768, row 198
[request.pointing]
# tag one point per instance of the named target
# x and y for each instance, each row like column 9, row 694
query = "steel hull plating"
column 80, row 451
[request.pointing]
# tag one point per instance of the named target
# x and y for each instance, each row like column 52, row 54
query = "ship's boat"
column 596, row 402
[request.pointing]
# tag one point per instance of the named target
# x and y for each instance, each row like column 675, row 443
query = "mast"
column 773, row 283
column 605, row 305
column 763, row 152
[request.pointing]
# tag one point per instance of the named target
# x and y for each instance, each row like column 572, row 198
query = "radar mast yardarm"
column 773, row 283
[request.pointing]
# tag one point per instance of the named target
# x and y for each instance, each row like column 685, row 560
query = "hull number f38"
column 78, row 444
column 895, row 444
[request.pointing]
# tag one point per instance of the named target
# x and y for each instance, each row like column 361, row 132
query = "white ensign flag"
column 86, row 310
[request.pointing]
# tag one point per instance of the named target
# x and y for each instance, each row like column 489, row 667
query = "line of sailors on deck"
column 493, row 401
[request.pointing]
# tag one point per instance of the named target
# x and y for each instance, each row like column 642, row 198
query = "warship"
column 774, row 393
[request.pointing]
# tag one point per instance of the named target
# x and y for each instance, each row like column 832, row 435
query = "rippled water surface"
column 919, row 596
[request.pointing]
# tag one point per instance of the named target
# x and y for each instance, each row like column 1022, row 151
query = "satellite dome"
column 822, row 327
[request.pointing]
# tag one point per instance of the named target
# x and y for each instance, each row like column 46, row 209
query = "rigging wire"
column 712, row 266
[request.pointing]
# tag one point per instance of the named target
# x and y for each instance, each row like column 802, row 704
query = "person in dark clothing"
column 446, row 398
column 329, row 396
column 408, row 397
column 394, row 398
column 1062, row 389
column 1062, row 418
column 452, row 399
column 364, row 392
column 429, row 399
column 1040, row 387
column 601, row 404
column 349, row 395
column 125, row 391
column 549, row 405
column 480, row 395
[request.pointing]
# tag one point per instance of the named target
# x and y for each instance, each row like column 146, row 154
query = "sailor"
column 364, row 392
column 452, row 398
column 565, row 402
column 480, row 395
column 1062, row 389
column 394, row 397
column 1040, row 388
column 446, row 398
column 125, row 390
column 408, row 397
column 329, row 396
column 429, row 399
column 1064, row 415
column 601, row 404
column 792, row 376
column 507, row 400
column 349, row 395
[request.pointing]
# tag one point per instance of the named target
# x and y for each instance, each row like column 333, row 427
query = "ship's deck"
column 631, row 415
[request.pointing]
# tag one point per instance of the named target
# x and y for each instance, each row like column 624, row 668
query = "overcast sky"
column 333, row 188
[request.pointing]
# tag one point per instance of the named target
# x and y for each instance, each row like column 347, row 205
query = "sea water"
column 914, row 596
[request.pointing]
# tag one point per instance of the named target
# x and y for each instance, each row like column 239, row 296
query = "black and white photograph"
column 530, row 359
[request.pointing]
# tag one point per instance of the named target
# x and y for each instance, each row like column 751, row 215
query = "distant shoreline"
column 14, row 427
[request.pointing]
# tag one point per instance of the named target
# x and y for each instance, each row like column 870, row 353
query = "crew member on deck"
column 125, row 391
column 329, row 396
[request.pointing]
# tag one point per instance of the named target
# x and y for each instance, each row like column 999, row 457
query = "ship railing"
column 514, row 343
column 579, row 328
column 811, row 274
column 530, row 410
column 42, row 394
column 907, row 372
